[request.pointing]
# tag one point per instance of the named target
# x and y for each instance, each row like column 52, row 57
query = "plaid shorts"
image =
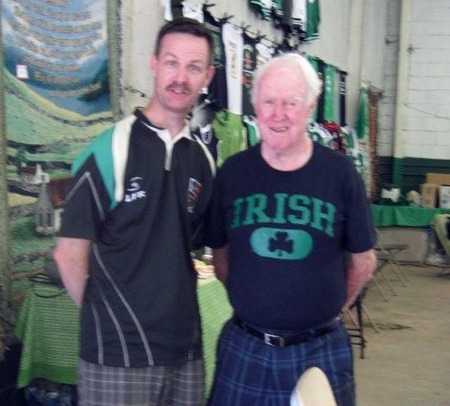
column 252, row 373
column 177, row 385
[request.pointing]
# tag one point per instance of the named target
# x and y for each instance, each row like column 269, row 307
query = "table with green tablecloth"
column 404, row 216
column 48, row 326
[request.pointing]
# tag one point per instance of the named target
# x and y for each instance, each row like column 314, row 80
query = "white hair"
column 314, row 84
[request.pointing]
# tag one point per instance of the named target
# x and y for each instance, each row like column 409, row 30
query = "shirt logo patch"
column 281, row 243
column 134, row 186
column 193, row 194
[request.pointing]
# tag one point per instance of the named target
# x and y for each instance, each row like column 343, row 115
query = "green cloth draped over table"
column 48, row 326
column 404, row 216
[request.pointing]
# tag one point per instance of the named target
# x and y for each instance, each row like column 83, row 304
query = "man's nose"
column 278, row 111
column 181, row 75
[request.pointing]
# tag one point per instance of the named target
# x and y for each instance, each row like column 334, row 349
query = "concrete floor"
column 408, row 362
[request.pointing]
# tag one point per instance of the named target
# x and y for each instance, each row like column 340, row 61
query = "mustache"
column 179, row 86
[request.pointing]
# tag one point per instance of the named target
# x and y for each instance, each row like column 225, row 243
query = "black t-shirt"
column 288, row 233
column 321, row 100
column 342, row 96
column 217, row 90
column 140, row 303
column 248, row 67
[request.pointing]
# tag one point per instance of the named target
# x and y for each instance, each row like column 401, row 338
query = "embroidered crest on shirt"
column 193, row 194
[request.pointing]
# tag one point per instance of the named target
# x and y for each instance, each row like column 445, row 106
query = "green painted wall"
column 410, row 171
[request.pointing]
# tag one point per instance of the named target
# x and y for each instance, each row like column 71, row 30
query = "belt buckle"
column 273, row 340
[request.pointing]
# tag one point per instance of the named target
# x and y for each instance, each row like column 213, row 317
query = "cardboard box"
column 438, row 178
column 429, row 192
column 444, row 197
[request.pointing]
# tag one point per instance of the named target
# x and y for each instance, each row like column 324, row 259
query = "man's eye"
column 171, row 63
column 195, row 68
column 269, row 102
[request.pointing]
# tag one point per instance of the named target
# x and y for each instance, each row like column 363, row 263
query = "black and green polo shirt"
column 140, row 197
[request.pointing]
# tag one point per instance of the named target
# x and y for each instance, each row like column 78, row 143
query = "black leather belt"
column 278, row 341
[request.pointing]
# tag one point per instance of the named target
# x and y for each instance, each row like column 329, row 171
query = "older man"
column 139, row 194
column 293, row 244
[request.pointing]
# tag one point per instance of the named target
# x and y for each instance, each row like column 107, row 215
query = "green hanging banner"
column 57, row 97
column 362, row 124
column 315, row 64
column 329, row 73
column 362, row 128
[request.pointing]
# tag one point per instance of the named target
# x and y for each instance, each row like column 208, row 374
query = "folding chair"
column 381, row 262
column 356, row 329
column 388, row 253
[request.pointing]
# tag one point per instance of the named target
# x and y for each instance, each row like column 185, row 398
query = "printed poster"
column 57, row 98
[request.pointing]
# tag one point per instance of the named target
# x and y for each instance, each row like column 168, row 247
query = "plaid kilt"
column 174, row 385
column 252, row 373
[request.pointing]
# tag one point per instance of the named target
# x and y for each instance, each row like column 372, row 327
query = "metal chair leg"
column 399, row 273
column 387, row 282
column 366, row 312
column 361, row 326
column 349, row 314
column 374, row 280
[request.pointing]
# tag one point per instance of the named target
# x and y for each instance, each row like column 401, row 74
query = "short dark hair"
column 185, row 25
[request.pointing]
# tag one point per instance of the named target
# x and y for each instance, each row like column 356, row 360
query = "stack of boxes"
column 436, row 191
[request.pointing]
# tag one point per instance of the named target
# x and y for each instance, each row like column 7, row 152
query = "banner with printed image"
column 58, row 49
column 57, row 96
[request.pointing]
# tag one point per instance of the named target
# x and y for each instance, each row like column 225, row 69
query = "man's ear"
column 153, row 63
column 209, row 75
column 311, row 108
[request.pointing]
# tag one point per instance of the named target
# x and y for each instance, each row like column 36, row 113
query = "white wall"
column 141, row 19
column 365, row 57
column 386, row 114
column 426, row 129
column 333, row 44
column 428, row 92
column 374, row 33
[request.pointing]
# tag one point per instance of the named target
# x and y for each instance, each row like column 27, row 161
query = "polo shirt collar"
column 164, row 133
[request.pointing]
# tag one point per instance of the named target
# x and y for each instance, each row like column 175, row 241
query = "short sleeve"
column 216, row 229
column 86, row 204
column 359, row 231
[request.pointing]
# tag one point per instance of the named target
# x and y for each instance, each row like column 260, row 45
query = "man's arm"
column 71, row 257
column 360, row 268
column 220, row 261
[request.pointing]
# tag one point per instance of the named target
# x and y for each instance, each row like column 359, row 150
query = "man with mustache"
column 132, row 217
column 292, row 237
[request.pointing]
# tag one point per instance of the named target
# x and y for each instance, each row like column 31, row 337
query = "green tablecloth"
column 215, row 310
column 404, row 216
column 48, row 326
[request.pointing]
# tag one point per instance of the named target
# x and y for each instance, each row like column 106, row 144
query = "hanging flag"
column 362, row 124
column 362, row 128
column 249, row 66
column 312, row 20
column 234, row 49
column 57, row 87
column 328, row 85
